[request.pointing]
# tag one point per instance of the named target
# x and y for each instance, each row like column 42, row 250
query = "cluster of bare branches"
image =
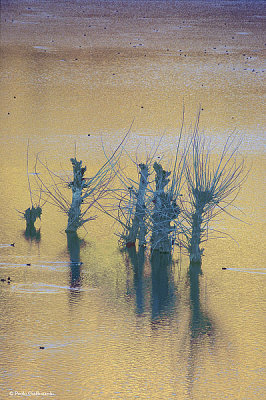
column 86, row 192
column 213, row 183
column 146, row 208
column 212, row 186
column 164, row 209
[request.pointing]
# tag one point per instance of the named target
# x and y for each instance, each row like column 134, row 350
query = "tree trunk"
column 164, row 212
column 77, row 186
column 74, row 211
column 195, row 252
column 138, row 228
column 161, row 228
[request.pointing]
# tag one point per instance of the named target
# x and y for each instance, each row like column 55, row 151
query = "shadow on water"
column 161, row 282
column 73, row 245
column 201, row 326
column 163, row 302
column 163, row 290
column 137, row 260
column 32, row 234
column 200, row 323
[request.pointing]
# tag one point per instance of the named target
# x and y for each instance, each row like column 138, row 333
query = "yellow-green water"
column 108, row 331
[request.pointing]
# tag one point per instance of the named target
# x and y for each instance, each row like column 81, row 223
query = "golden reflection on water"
column 77, row 83
column 109, row 330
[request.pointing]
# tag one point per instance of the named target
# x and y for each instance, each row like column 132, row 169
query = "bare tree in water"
column 212, row 186
column 87, row 192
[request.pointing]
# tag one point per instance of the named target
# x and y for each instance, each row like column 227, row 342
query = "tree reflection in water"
column 32, row 234
column 200, row 323
column 161, row 282
column 163, row 291
column 200, row 326
column 137, row 260
column 164, row 302
column 73, row 244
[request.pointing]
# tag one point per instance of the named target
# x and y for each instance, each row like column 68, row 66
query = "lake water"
column 113, row 325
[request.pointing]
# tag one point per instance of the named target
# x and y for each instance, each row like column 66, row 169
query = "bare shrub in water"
column 31, row 214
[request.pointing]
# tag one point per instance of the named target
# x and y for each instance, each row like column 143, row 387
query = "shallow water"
column 108, row 328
